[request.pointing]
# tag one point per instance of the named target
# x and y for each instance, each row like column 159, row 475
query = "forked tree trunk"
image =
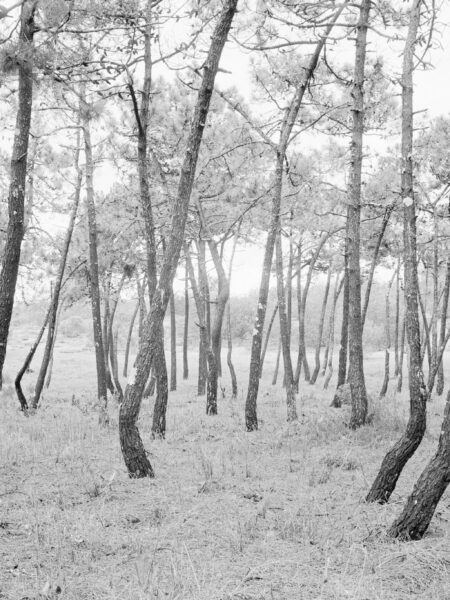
column 320, row 331
column 402, row 451
column 17, row 382
column 289, row 118
column 135, row 457
column 266, row 340
column 444, row 309
column 16, row 195
column 186, row 325
column 59, row 281
column 356, row 360
column 387, row 334
column 173, row 344
column 100, row 358
column 329, row 364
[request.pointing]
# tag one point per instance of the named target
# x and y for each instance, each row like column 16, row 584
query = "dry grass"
column 276, row 514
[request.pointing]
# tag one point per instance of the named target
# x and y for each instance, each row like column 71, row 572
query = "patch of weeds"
column 338, row 462
column 319, row 476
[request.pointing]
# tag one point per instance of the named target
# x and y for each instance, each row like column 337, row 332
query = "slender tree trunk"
column 397, row 319
column 376, row 252
column 284, row 328
column 173, row 344
column 234, row 387
column 52, row 353
column 93, row 265
column 402, row 451
column 186, row 325
column 426, row 333
column 266, row 340
column 58, row 281
column 162, row 386
column 105, row 331
column 135, row 457
column 435, row 276
column 356, row 360
column 401, row 354
column 277, row 364
column 321, row 324
column 205, row 299
column 289, row 118
column 343, row 348
column 337, row 292
column 387, row 329
column 129, row 337
column 444, row 309
column 112, row 343
column 16, row 195
column 27, row 362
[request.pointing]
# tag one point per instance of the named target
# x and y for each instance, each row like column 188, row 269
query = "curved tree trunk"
column 402, row 451
column 59, row 281
column 356, row 360
column 277, row 364
column 429, row 489
column 321, row 324
column 135, row 457
column 16, row 195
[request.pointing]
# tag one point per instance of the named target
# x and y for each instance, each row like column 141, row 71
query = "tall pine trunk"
column 402, row 451
column 329, row 364
column 186, row 325
column 444, row 309
column 343, row 347
column 173, row 344
column 320, row 331
column 16, row 194
column 356, row 359
column 59, row 281
column 387, row 336
column 93, row 265
column 134, row 454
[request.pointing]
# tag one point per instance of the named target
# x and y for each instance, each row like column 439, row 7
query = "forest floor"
column 277, row 514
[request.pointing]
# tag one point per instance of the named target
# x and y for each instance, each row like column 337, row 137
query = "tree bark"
column 129, row 337
column 266, row 340
column 59, row 280
column 373, row 264
column 52, row 353
column 186, row 325
column 16, row 194
column 329, row 363
column 397, row 320
column 234, row 386
column 289, row 118
column 401, row 355
column 135, row 457
column 205, row 299
column 444, row 310
column 419, row 509
column 112, row 344
column 100, row 357
column 277, row 364
column 320, row 331
column 402, row 451
column 356, row 360
column 343, row 348
column 284, row 326
column 387, row 330
column 173, row 344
